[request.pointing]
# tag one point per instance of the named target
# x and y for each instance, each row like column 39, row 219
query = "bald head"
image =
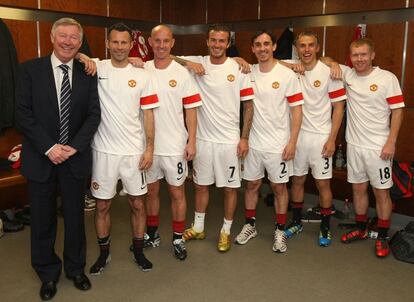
column 161, row 28
column 161, row 41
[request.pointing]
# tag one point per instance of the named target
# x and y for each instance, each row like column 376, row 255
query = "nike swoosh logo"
column 143, row 187
column 100, row 78
column 325, row 172
column 231, row 180
column 281, row 176
column 179, row 178
column 384, row 181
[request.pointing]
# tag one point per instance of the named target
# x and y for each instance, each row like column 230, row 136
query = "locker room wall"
column 24, row 32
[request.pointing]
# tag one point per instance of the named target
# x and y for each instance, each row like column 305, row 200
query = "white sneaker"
column 279, row 245
column 248, row 232
column 90, row 203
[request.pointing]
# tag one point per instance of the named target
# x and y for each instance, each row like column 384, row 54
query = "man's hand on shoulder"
column 136, row 62
column 197, row 68
column 244, row 66
column 296, row 67
column 90, row 65
column 336, row 71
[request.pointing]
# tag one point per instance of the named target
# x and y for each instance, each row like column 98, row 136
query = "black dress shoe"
column 48, row 290
column 81, row 281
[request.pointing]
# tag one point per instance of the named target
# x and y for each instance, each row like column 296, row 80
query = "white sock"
column 199, row 222
column 226, row 226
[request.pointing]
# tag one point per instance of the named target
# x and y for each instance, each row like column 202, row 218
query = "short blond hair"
column 361, row 42
column 67, row 21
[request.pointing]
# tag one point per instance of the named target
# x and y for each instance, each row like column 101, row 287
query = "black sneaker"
column 149, row 242
column 143, row 263
column 179, row 249
column 311, row 216
column 99, row 265
column 152, row 242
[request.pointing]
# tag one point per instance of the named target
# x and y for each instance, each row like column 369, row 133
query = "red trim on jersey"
column 395, row 99
column 294, row 98
column 246, row 92
column 150, row 99
column 192, row 99
column 337, row 93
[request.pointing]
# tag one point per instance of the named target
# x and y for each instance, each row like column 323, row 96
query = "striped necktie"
column 65, row 98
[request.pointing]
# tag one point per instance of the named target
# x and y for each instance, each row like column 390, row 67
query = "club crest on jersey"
column 132, row 83
column 95, row 185
column 317, row 83
column 230, row 78
column 275, row 85
column 173, row 83
column 373, row 87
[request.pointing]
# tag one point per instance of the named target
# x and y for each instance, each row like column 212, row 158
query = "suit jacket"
column 8, row 70
column 37, row 115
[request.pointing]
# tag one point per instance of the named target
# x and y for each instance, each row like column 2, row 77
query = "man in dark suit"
column 58, row 112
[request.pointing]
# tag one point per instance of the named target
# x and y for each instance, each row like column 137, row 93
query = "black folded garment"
column 23, row 215
column 4, row 164
column 10, row 224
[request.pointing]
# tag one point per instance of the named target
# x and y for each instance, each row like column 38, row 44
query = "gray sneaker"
column 279, row 246
column 248, row 232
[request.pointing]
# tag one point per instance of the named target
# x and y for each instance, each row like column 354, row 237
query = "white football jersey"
column 175, row 89
column 275, row 92
column 122, row 93
column 319, row 92
column 222, row 88
column 370, row 100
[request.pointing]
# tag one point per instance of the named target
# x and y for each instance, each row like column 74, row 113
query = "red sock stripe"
column 326, row 211
column 281, row 218
column 297, row 205
column 178, row 226
column 361, row 218
column 153, row 221
column 384, row 223
column 250, row 213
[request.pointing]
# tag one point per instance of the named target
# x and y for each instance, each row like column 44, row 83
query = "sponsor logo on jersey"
column 95, row 185
column 132, row 83
column 317, row 83
column 230, row 78
column 172, row 83
column 275, row 85
column 373, row 87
